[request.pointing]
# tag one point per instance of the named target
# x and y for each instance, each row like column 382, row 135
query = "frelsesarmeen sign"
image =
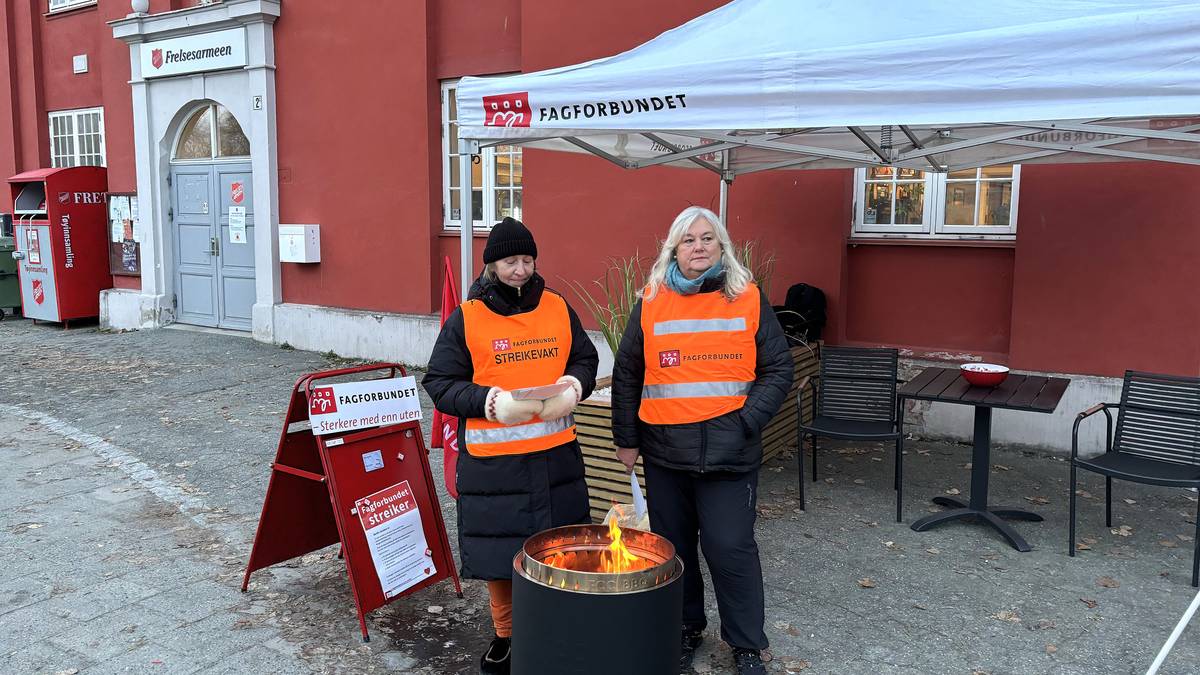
column 194, row 53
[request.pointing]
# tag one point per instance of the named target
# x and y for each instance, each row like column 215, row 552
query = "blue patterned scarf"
column 685, row 286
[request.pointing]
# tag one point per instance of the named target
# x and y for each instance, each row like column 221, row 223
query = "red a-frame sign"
column 339, row 488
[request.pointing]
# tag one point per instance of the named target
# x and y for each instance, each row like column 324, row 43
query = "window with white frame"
column 59, row 5
column 970, row 203
column 77, row 138
column 496, row 175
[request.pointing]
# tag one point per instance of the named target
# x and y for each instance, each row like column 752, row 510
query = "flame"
column 616, row 558
column 619, row 558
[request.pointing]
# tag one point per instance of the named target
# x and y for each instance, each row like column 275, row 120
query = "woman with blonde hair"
column 701, row 369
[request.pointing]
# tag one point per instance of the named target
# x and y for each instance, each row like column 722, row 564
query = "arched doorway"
column 212, row 217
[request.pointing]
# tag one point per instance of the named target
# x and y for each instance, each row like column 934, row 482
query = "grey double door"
column 214, row 262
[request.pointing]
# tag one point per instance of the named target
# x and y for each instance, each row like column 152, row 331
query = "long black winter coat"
column 503, row 500
column 729, row 442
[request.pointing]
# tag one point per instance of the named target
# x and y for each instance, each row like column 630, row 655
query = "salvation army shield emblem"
column 156, row 58
column 39, row 294
column 237, row 192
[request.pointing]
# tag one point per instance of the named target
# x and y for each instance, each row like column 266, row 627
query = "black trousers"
column 718, row 512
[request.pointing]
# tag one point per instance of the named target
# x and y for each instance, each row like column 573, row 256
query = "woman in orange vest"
column 702, row 367
column 522, row 471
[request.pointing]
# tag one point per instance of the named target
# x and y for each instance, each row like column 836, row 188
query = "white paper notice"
column 392, row 522
column 133, row 215
column 118, row 215
column 237, row 224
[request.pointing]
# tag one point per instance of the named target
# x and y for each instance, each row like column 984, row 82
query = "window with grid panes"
column 496, row 176
column 77, row 138
column 971, row 203
column 59, row 5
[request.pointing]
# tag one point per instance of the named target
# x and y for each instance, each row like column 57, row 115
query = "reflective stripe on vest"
column 523, row 350
column 520, row 432
column 699, row 326
column 696, row 389
column 700, row 354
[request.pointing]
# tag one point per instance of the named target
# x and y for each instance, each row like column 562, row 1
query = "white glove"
column 501, row 407
column 561, row 405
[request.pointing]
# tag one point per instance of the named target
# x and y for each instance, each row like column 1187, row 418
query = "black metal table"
column 1030, row 393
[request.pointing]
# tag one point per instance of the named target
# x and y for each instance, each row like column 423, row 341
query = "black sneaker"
column 689, row 641
column 497, row 658
column 748, row 662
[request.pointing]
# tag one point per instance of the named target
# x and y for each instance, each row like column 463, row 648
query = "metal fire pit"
column 586, row 542
column 580, row 622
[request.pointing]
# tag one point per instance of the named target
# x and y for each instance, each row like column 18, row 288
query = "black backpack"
column 803, row 313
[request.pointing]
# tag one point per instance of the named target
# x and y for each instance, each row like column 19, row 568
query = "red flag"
column 444, row 431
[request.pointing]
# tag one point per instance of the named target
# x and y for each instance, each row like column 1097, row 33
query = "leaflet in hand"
column 540, row 393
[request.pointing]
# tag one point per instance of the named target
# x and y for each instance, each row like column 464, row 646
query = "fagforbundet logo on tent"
column 506, row 110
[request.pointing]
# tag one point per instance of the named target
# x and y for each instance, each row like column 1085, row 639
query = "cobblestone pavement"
column 137, row 464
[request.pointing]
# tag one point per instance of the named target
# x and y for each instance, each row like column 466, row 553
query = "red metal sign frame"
column 316, row 480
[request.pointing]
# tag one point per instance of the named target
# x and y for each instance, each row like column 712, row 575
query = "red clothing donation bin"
column 61, row 232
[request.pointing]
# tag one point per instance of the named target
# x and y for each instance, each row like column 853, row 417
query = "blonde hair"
column 737, row 277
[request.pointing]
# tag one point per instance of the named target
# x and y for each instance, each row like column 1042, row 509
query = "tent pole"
column 726, row 179
column 466, row 257
column 724, row 200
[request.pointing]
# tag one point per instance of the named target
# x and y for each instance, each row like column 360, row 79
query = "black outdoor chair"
column 855, row 399
column 1157, row 442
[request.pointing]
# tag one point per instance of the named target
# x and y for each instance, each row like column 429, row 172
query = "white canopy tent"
column 757, row 85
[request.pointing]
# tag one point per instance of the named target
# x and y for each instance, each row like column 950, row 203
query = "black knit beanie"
column 508, row 238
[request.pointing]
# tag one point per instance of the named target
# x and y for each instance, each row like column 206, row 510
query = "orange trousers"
column 500, row 599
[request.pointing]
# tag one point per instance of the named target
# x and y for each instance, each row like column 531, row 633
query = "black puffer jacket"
column 503, row 500
column 729, row 442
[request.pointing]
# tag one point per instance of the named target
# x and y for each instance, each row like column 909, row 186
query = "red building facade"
column 348, row 103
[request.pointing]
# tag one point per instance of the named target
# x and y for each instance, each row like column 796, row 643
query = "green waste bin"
column 10, row 292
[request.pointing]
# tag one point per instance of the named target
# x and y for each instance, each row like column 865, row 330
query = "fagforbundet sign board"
column 347, row 406
column 194, row 53
column 369, row 488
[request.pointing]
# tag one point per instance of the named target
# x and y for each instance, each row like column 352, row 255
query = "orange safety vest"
column 700, row 354
column 523, row 350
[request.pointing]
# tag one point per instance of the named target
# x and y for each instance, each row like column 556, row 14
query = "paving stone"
column 31, row 623
column 111, row 635
column 255, row 659
column 197, row 601
column 150, row 658
column 44, row 657
column 100, row 597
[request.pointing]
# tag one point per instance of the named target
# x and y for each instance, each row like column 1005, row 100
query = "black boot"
column 748, row 662
column 689, row 642
column 497, row 658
